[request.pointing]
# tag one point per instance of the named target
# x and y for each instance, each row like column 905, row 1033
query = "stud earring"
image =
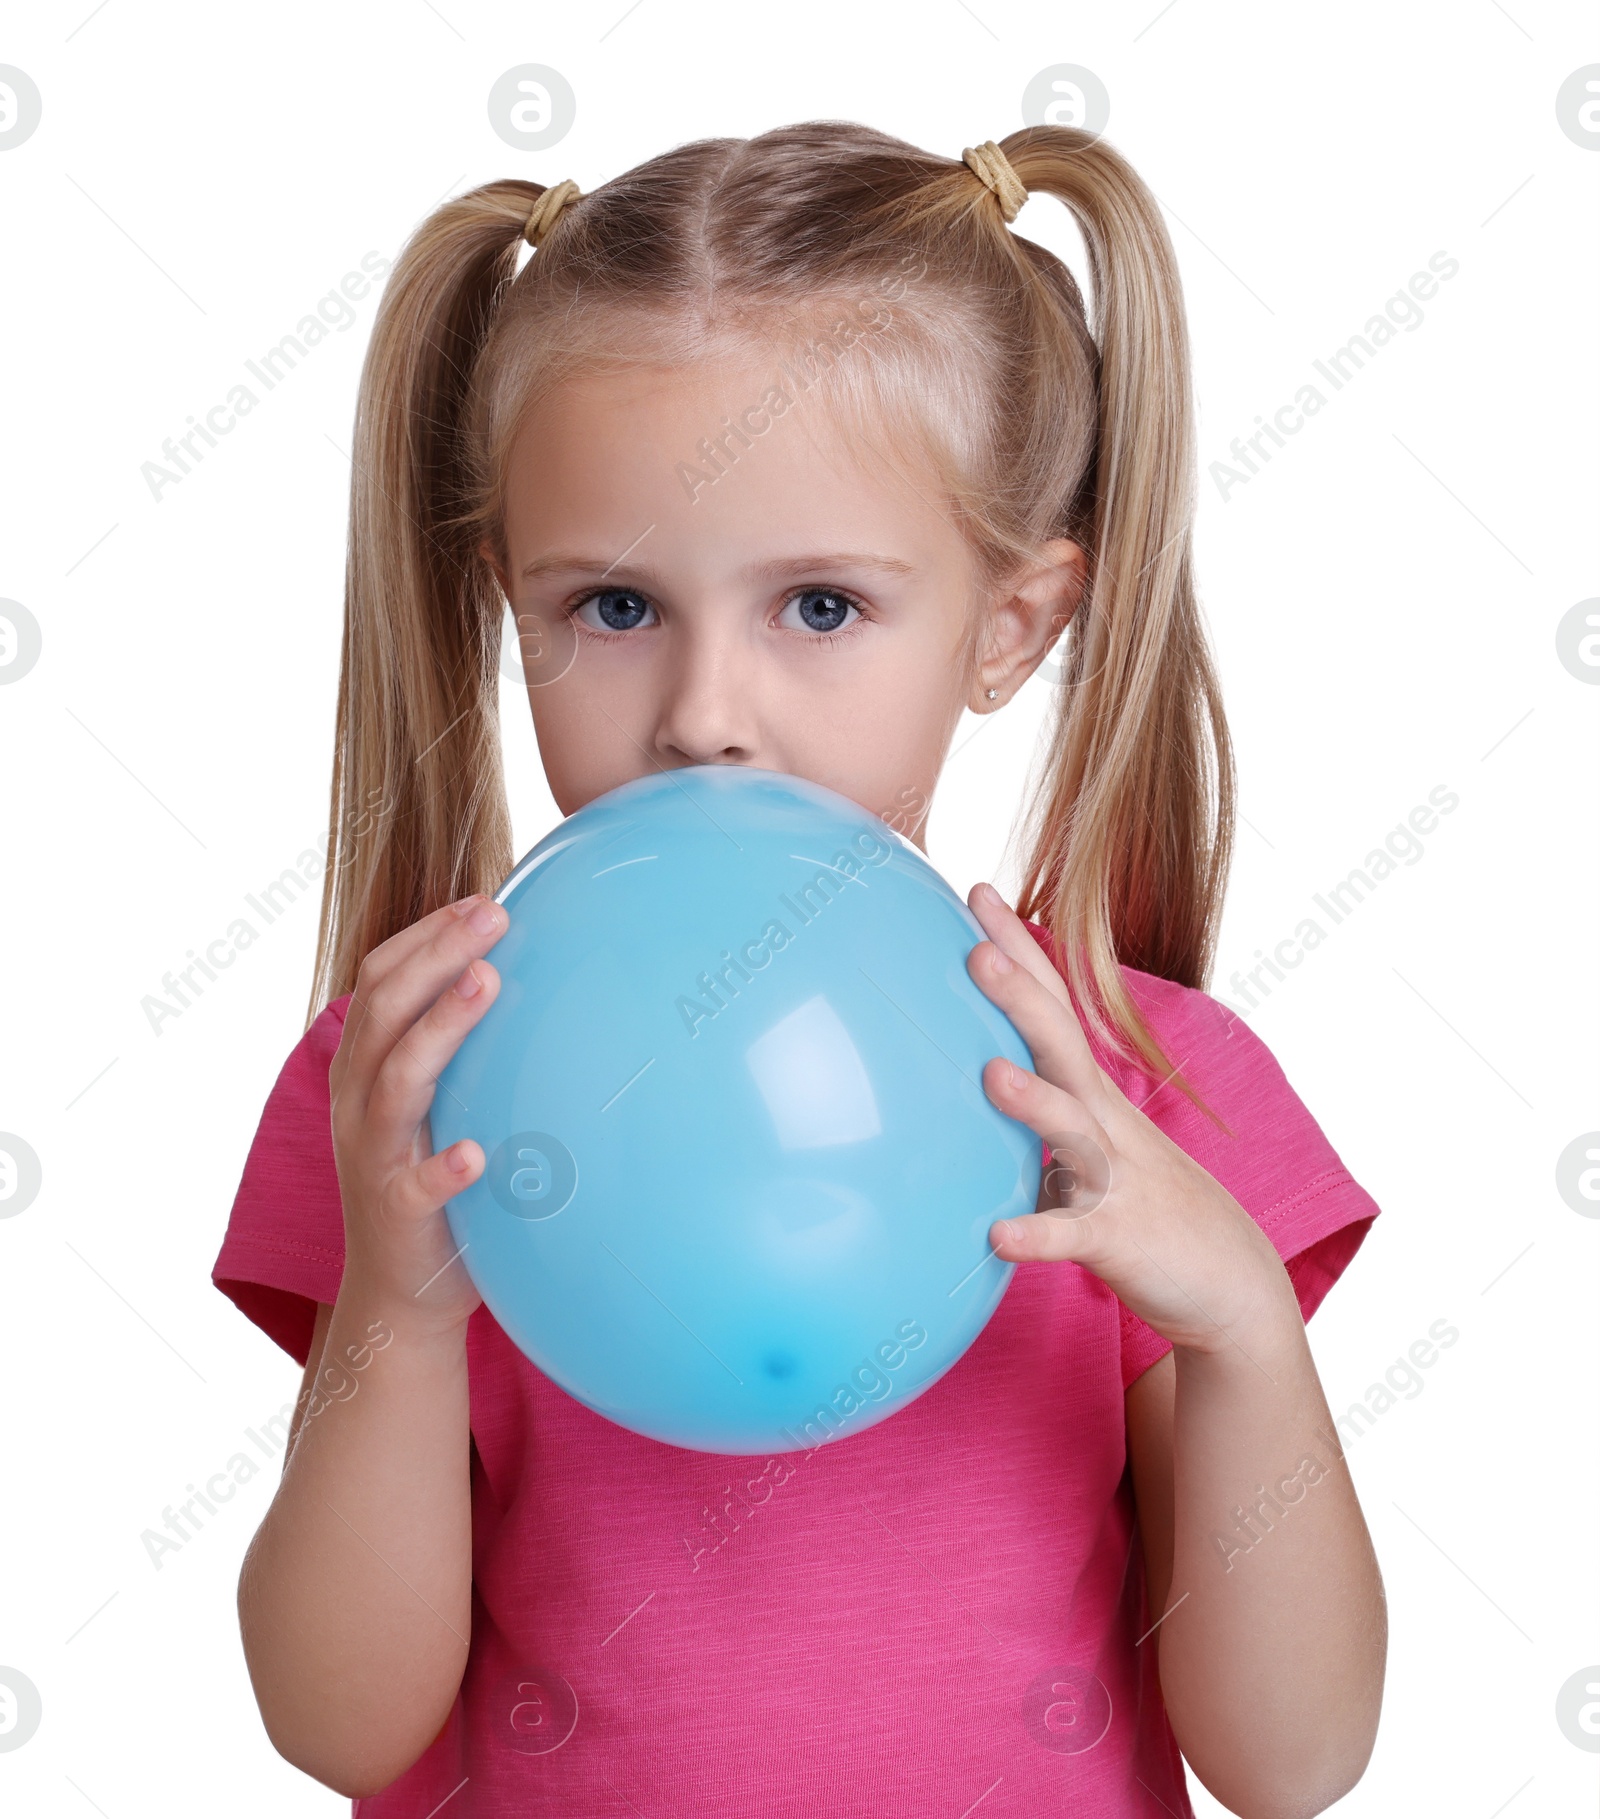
column 992, row 693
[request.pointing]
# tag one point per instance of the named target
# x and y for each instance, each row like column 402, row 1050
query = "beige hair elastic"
column 547, row 210
column 992, row 165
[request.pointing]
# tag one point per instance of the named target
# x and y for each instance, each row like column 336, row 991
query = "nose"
column 710, row 711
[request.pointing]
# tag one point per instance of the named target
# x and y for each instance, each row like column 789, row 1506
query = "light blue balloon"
column 741, row 1167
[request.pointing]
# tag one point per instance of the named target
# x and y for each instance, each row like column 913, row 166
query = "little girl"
column 784, row 453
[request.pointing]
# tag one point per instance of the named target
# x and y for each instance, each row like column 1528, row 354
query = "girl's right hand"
column 415, row 998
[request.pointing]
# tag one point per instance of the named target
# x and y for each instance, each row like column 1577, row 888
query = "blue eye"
column 819, row 609
column 615, row 609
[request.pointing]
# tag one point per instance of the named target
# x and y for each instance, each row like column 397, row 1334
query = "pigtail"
column 417, row 812
column 1130, row 833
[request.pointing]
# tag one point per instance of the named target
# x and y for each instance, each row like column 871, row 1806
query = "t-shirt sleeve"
column 1272, row 1155
column 283, row 1251
column 1269, row 1152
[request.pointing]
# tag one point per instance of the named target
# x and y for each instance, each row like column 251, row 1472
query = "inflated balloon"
column 740, row 1167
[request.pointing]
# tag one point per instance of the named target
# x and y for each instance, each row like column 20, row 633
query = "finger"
column 1077, row 1178
column 389, row 954
column 401, row 995
column 1060, row 1051
column 404, row 1087
column 1047, row 1238
column 414, row 1194
column 1009, row 932
column 1048, row 1111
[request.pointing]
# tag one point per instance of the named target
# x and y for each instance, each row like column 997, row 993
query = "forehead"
column 736, row 450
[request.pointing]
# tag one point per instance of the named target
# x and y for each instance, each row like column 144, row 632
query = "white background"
column 1384, row 600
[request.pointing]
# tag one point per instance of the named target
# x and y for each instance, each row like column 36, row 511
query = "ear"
column 1025, row 618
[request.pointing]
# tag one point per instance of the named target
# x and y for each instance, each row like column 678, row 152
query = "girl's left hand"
column 1139, row 1212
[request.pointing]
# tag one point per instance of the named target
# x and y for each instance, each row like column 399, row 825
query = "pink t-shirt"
column 939, row 1611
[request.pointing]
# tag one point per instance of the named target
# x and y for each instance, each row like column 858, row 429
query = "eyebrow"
column 567, row 562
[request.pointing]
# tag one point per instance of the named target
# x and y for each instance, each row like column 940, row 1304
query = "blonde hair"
column 1036, row 427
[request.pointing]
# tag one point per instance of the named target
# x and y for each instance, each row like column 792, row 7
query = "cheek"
column 888, row 679
column 925, row 683
column 582, row 752
column 873, row 726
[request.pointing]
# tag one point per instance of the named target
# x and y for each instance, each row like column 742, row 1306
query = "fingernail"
column 1011, row 1231
column 463, row 904
column 468, row 985
column 485, row 919
column 989, row 894
column 456, row 1161
column 1003, row 963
